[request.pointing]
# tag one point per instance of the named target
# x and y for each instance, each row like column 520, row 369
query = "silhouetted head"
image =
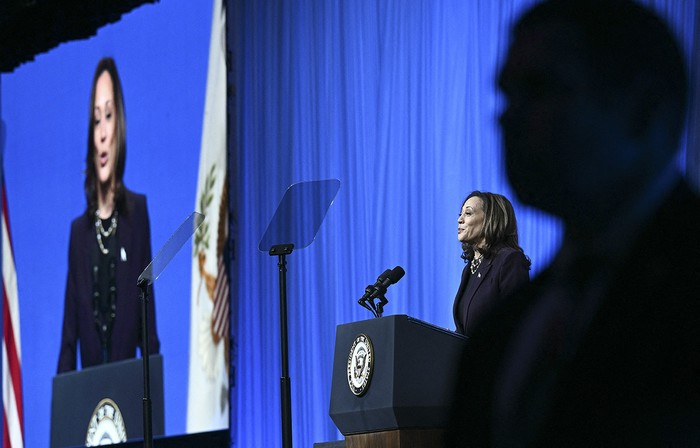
column 596, row 94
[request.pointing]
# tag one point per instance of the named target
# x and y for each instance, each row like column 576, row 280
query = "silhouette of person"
column 603, row 348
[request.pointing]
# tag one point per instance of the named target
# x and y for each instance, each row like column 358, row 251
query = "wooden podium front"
column 393, row 382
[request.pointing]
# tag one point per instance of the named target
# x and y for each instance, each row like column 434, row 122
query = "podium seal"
column 360, row 364
column 106, row 425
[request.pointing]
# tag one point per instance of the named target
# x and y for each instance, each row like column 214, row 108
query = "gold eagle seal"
column 360, row 364
column 106, row 425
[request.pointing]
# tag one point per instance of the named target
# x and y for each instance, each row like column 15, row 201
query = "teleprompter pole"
column 281, row 250
column 147, row 408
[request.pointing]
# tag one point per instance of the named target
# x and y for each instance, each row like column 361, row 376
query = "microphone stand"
column 281, row 250
column 147, row 409
column 367, row 303
column 380, row 306
column 378, row 294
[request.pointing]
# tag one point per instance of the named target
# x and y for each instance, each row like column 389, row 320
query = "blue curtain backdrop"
column 397, row 100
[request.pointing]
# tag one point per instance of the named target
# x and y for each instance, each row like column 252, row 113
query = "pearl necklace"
column 101, row 232
column 476, row 262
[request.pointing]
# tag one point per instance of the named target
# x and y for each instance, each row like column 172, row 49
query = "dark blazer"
column 498, row 277
column 634, row 376
column 79, row 330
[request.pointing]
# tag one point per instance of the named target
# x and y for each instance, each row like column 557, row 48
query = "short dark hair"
column 500, row 225
column 623, row 42
column 107, row 65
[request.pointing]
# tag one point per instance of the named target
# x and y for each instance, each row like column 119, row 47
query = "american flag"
column 13, row 416
column 220, row 318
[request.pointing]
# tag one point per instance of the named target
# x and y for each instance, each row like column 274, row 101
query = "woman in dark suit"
column 496, row 264
column 110, row 244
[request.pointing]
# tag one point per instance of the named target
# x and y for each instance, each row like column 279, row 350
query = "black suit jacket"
column 499, row 276
column 79, row 330
column 634, row 378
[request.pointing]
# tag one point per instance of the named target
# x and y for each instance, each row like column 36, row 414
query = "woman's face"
column 104, row 129
column 470, row 225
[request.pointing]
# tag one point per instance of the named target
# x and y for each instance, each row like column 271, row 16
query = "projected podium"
column 393, row 379
column 104, row 403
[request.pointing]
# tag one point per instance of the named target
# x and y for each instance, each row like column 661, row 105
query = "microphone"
column 364, row 300
column 396, row 274
column 388, row 278
column 378, row 289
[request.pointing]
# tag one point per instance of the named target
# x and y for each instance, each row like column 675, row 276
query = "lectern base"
column 398, row 438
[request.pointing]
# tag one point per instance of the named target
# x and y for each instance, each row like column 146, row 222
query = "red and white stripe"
column 13, row 416
column 220, row 317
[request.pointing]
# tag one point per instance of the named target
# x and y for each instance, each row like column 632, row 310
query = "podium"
column 393, row 381
column 83, row 401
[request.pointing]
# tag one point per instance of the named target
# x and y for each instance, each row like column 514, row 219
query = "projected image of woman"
column 496, row 264
column 110, row 243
